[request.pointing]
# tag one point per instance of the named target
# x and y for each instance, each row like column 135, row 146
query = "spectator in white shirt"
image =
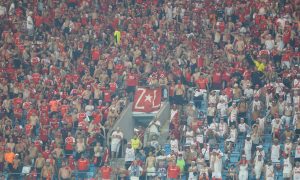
column 269, row 43
column 116, row 139
column 29, row 22
column 129, row 155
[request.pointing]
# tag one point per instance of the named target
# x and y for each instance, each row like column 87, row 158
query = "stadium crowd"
column 231, row 69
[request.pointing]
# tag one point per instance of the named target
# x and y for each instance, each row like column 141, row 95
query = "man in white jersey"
column 116, row 139
column 296, row 171
column 258, row 166
column 248, row 147
column 287, row 167
column 269, row 171
column 297, row 151
column 275, row 152
column 174, row 144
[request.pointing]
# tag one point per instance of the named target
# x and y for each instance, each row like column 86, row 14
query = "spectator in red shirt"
column 131, row 82
column 173, row 171
column 105, row 172
column 82, row 167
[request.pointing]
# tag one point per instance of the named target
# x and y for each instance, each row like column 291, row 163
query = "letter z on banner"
column 146, row 100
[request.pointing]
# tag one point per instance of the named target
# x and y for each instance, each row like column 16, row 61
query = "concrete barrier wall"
column 127, row 124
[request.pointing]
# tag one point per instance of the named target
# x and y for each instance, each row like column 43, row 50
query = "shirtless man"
column 47, row 171
column 179, row 93
column 287, row 114
column 57, row 152
column 65, row 172
column 33, row 151
column 39, row 163
column 80, row 147
column 150, row 165
column 20, row 147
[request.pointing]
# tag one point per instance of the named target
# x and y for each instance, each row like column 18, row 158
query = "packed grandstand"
column 229, row 70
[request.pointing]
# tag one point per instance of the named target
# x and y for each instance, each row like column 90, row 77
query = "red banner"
column 146, row 100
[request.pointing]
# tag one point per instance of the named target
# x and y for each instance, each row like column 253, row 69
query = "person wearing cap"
column 248, row 147
column 259, row 152
column 258, row 166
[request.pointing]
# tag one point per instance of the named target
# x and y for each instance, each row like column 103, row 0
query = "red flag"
column 147, row 100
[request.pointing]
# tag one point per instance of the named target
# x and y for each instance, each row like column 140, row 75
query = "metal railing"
column 125, row 174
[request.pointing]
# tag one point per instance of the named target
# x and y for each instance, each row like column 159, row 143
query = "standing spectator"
column 105, row 172
column 129, row 155
column 173, row 171
column 65, row 172
column 116, row 140
column 135, row 171
column 48, row 170
column 82, row 167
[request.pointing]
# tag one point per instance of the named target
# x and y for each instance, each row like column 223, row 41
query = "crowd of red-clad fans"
column 68, row 69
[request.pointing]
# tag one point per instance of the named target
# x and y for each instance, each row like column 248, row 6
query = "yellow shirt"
column 259, row 66
column 135, row 143
column 117, row 35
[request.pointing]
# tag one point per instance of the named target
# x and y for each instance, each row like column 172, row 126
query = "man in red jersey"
column 173, row 171
column 69, row 144
column 131, row 83
column 105, row 172
column 82, row 167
